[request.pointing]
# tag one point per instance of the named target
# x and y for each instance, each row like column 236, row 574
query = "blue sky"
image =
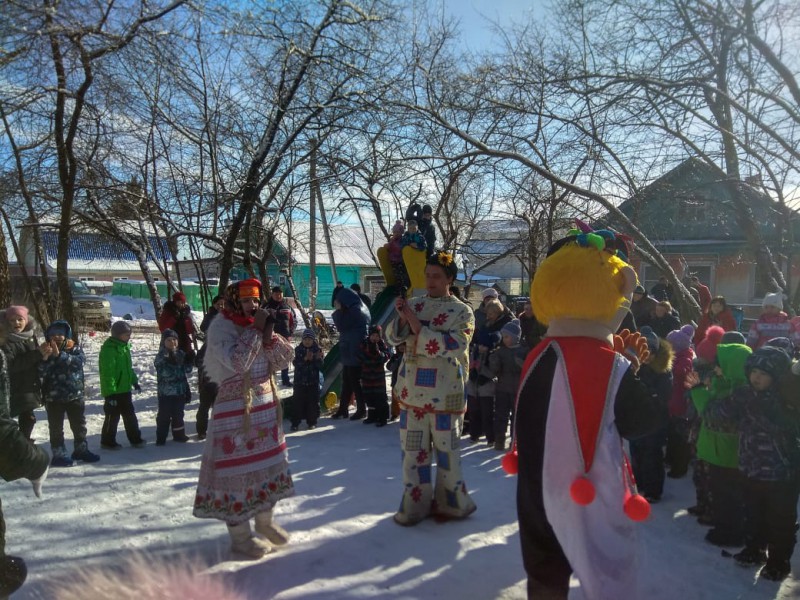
column 477, row 16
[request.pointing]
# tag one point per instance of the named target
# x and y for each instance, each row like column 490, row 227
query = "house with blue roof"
column 95, row 256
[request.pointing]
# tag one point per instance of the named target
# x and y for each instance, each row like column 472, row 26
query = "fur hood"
column 662, row 360
column 221, row 335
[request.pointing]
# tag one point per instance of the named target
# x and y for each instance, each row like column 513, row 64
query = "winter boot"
column 272, row 531
column 243, row 542
column 777, row 570
column 60, row 458
column 371, row 418
column 83, row 453
column 179, row 435
column 750, row 556
column 13, row 573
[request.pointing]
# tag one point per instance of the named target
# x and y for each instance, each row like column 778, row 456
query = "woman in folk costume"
column 436, row 330
column 578, row 397
column 245, row 468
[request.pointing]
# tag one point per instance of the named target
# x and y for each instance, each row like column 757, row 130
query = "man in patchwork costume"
column 436, row 329
column 578, row 398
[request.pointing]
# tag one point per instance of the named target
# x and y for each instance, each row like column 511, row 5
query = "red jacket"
column 179, row 321
column 724, row 319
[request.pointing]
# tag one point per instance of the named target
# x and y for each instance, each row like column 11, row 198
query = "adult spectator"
column 703, row 292
column 285, row 323
column 643, row 307
column 351, row 318
column 19, row 458
column 207, row 389
column 532, row 330
column 436, row 329
column 339, row 287
column 428, row 229
column 662, row 290
column 487, row 296
column 718, row 313
column 177, row 315
column 364, row 298
column 664, row 321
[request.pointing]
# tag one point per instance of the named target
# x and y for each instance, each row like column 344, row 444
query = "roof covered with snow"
column 351, row 246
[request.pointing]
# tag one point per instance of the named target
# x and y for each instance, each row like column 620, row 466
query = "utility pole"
column 312, row 214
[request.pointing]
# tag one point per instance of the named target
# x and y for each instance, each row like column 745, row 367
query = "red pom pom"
column 510, row 462
column 637, row 507
column 582, row 491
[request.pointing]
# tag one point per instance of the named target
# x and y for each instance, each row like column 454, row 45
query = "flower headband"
column 444, row 258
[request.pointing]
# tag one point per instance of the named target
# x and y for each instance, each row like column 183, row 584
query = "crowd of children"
column 731, row 409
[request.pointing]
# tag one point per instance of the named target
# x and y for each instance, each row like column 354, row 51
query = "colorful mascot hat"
column 582, row 277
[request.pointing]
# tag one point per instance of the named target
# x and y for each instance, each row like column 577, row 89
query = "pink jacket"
column 681, row 367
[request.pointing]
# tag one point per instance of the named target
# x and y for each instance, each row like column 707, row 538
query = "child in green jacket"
column 718, row 444
column 117, row 379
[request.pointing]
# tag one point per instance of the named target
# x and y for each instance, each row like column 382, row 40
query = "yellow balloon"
column 331, row 400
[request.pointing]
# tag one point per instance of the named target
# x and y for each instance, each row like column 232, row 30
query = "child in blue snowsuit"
column 61, row 375
column 173, row 388
column 307, row 365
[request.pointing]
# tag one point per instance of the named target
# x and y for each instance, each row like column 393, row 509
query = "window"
column 691, row 209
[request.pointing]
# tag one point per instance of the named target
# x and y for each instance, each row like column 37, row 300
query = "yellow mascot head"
column 584, row 277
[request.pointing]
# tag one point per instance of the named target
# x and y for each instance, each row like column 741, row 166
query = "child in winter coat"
column 480, row 390
column 373, row 354
column 24, row 354
column 505, row 363
column 769, row 459
column 718, row 443
column 62, row 389
column 117, row 379
column 412, row 237
column 772, row 323
column 678, row 449
column 172, row 367
column 703, row 366
column 394, row 367
column 647, row 454
column 307, row 366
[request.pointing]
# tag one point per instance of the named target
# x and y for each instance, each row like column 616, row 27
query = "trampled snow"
column 344, row 543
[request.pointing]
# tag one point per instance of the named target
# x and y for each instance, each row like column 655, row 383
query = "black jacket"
column 284, row 319
column 23, row 369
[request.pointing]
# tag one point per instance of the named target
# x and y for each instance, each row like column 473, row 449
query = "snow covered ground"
column 344, row 543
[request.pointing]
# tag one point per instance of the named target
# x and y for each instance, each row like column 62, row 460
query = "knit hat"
column 733, row 337
column 375, row 329
column 309, row 333
column 774, row 299
column 427, row 210
column 681, row 338
column 489, row 293
column 248, row 288
column 168, row 333
column 513, row 330
column 179, row 297
column 773, row 361
column 398, row 227
column 653, row 343
column 707, row 348
column 58, row 328
column 120, row 328
column 783, row 343
column 17, row 311
column 638, row 290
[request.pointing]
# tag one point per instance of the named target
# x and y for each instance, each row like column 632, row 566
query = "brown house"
column 688, row 215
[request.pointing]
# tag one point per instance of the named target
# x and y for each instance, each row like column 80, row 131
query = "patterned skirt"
column 245, row 468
